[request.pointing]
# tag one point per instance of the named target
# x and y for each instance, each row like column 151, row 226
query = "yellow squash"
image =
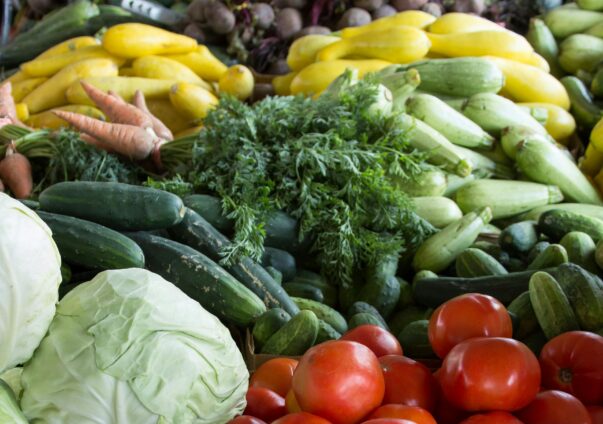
column 163, row 68
column 51, row 121
column 451, row 23
column 525, row 83
column 396, row 45
column 282, row 84
column 23, row 88
column 188, row 132
column 482, row 43
column 592, row 161
column 69, row 46
column 413, row 18
column 52, row 92
column 18, row 77
column 560, row 124
column 596, row 136
column 314, row 79
column 49, row 66
column 539, row 62
column 124, row 86
column 303, row 50
column 238, row 81
column 22, row 111
column 126, row 71
column 165, row 111
column 133, row 40
column 193, row 101
column 202, row 62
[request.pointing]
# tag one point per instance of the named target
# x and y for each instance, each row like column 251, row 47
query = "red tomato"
column 340, row 381
column 573, row 363
column 380, row 341
column 246, row 419
column 467, row 316
column 555, row 407
column 596, row 414
column 408, row 382
column 301, row 418
column 275, row 374
column 492, row 418
column 412, row 413
column 264, row 404
column 291, row 403
column 490, row 374
column 446, row 413
column 388, row 421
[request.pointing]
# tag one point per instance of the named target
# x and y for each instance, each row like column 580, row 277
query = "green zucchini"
column 323, row 312
column 268, row 324
column 477, row 263
column 482, row 163
column 593, row 211
column 586, row 112
column 295, row 337
column 580, row 249
column 200, row 278
column 580, row 52
column 542, row 39
column 438, row 211
column 522, row 308
column 414, row 337
column 554, row 255
column 455, row 183
column 281, row 260
column 520, row 237
column 275, row 274
column 311, row 278
column 564, row 21
column 326, row 332
column 115, row 205
column 551, row 306
column 363, row 307
column 557, row 223
column 596, row 5
column 197, row 233
column 305, row 291
column 91, row 245
column 364, row 318
column 404, row 317
column 431, row 182
column 596, row 85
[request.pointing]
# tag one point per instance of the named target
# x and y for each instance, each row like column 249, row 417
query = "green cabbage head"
column 30, row 274
column 129, row 347
column 9, row 408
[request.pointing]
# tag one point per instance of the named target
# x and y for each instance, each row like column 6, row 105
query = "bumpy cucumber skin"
column 477, row 263
column 268, row 324
column 295, row 337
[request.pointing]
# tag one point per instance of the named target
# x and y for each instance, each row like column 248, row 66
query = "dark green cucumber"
column 326, row 332
column 551, row 306
column 364, row 318
column 115, row 205
column 323, row 312
column 200, row 278
column 210, row 208
column 281, row 260
column 313, row 279
column 402, row 318
column 599, row 254
column 406, row 297
column 197, row 233
column 268, row 324
column 516, row 265
column 493, row 250
column 275, row 274
column 519, row 237
column 381, row 288
column 537, row 250
column 580, row 249
column 586, row 112
column 477, row 263
column 584, row 291
column 522, row 308
column 295, row 337
column 31, row 204
column 92, row 245
column 557, row 223
column 305, row 291
column 554, row 255
column 415, row 340
column 363, row 307
column 423, row 274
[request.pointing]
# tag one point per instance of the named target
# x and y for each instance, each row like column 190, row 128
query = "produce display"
column 409, row 231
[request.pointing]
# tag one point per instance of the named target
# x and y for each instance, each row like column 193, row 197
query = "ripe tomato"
column 246, row 419
column 412, row 413
column 554, row 407
column 492, row 418
column 388, row 421
column 572, row 362
column 301, row 418
column 445, row 412
column 264, row 404
column 596, row 414
column 408, row 382
column 275, row 374
column 467, row 316
column 340, row 381
column 291, row 403
column 380, row 341
column 490, row 374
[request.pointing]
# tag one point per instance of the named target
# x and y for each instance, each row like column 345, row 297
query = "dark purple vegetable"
column 219, row 18
column 261, row 90
column 193, row 31
column 402, row 5
column 384, row 11
column 469, row 6
column 196, row 10
column 433, row 8
column 263, row 15
column 370, row 5
column 314, row 29
column 354, row 17
column 296, row 4
column 279, row 67
column 288, row 23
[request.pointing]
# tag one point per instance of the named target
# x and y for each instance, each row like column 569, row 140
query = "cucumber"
column 589, row 210
column 31, row 204
column 382, row 289
column 268, row 324
column 200, row 278
column 477, row 263
column 281, row 260
column 364, row 318
column 197, row 233
column 493, row 250
column 522, row 308
column 323, row 312
column 580, row 52
column 554, row 255
column 516, row 265
column 542, row 39
column 580, row 249
column 415, row 340
column 557, row 223
column 363, row 307
column 565, row 21
column 326, row 332
column 535, row 341
column 305, row 291
column 115, row 205
column 91, row 245
column 275, row 274
column 311, row 278
column 210, row 208
column 295, row 337
column 423, row 274
column 551, row 306
column 537, row 250
column 584, row 109
column 520, row 237
column 599, row 254
column 406, row 298
column 404, row 317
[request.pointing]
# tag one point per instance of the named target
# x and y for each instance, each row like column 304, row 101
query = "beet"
column 262, row 90
column 384, row 11
column 313, row 30
column 193, row 31
column 263, row 15
column 370, row 5
column 295, row 4
column 196, row 10
column 354, row 17
column 402, row 5
column 279, row 67
column 469, row 6
column 219, row 18
column 288, row 23
column 433, row 8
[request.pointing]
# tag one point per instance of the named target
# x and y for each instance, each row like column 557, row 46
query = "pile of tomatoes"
column 486, row 377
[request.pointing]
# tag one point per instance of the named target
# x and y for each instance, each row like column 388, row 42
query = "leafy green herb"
column 174, row 185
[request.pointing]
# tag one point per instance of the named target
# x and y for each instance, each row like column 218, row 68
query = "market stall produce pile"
column 423, row 195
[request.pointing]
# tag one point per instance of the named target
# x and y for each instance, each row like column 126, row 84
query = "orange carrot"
column 128, row 140
column 116, row 109
column 15, row 171
column 160, row 129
